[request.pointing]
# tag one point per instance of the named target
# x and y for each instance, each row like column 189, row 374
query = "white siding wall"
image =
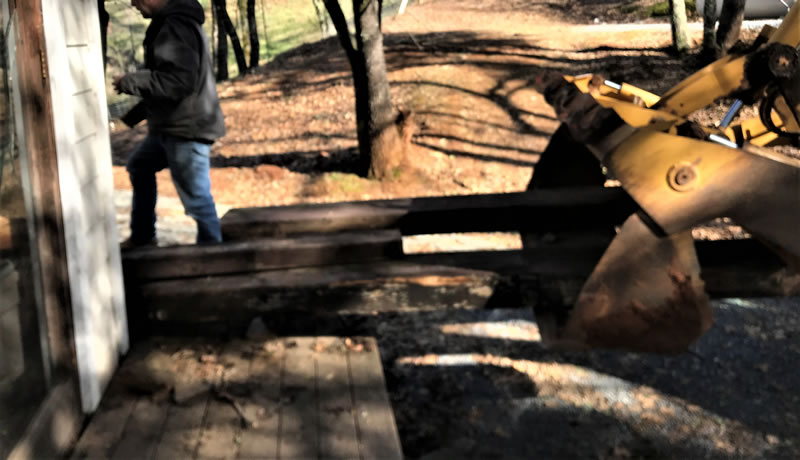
column 75, row 67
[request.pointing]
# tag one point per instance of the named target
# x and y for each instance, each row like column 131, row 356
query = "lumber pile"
column 349, row 257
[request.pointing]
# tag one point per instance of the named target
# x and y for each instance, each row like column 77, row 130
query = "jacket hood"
column 187, row 8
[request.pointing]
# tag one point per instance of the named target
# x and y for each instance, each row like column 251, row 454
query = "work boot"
column 130, row 243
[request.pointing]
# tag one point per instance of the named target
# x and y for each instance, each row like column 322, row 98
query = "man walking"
column 180, row 103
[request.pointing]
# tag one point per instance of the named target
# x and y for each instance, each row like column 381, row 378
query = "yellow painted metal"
column 757, row 188
column 785, row 114
column 754, row 131
column 704, row 87
column 648, row 98
column 723, row 76
column 627, row 92
column 789, row 31
column 637, row 116
column 646, row 292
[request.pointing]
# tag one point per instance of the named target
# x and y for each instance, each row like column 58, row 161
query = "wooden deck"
column 287, row 398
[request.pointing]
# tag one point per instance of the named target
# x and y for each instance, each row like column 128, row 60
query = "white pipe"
column 755, row 8
column 403, row 5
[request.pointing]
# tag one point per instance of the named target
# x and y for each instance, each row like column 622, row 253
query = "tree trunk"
column 240, row 23
column 226, row 27
column 709, row 28
column 382, row 136
column 322, row 20
column 375, row 101
column 266, row 29
column 104, row 19
column 679, row 38
column 730, row 24
column 222, row 41
column 252, row 26
column 212, row 35
column 241, row 63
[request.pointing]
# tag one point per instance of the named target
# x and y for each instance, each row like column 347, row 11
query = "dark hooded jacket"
column 177, row 85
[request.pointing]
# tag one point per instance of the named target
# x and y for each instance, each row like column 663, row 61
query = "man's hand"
column 116, row 81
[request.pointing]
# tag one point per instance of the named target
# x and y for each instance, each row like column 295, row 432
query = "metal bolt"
column 682, row 177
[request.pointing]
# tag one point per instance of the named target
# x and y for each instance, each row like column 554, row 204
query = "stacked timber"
column 349, row 257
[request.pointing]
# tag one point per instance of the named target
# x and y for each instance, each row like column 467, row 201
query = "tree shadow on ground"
column 309, row 162
column 725, row 398
column 323, row 64
column 512, row 61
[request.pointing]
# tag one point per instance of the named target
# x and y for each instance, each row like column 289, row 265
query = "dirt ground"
column 465, row 76
column 467, row 384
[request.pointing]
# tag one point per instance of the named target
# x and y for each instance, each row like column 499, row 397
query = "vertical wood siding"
column 77, row 83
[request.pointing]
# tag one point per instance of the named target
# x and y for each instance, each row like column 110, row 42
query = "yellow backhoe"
column 646, row 293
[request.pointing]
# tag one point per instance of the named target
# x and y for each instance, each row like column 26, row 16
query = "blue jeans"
column 189, row 164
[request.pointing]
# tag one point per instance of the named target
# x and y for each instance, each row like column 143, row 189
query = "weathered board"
column 427, row 281
column 223, row 302
column 83, row 151
column 302, row 398
column 261, row 254
column 542, row 210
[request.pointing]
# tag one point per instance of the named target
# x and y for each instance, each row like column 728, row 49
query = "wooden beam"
column 539, row 210
column 38, row 145
column 222, row 302
column 427, row 281
column 261, row 254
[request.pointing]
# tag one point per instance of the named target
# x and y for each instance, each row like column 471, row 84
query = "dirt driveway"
column 477, row 384
column 462, row 67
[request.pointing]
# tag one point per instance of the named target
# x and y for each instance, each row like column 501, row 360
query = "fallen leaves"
column 355, row 345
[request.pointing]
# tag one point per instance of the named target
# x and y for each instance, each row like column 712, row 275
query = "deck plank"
column 143, row 431
column 377, row 431
column 307, row 397
column 298, row 435
column 338, row 437
column 106, row 427
column 223, row 425
column 263, row 407
column 182, row 430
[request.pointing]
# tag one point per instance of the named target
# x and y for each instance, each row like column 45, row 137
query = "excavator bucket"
column 646, row 292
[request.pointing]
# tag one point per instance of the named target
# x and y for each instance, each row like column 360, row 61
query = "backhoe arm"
column 646, row 293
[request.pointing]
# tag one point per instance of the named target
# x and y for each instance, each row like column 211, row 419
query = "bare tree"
column 252, row 27
column 212, row 34
column 266, row 29
column 383, row 134
column 222, row 41
column 709, row 29
column 717, row 41
column 227, row 29
column 730, row 24
column 322, row 20
column 680, row 41
column 240, row 22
